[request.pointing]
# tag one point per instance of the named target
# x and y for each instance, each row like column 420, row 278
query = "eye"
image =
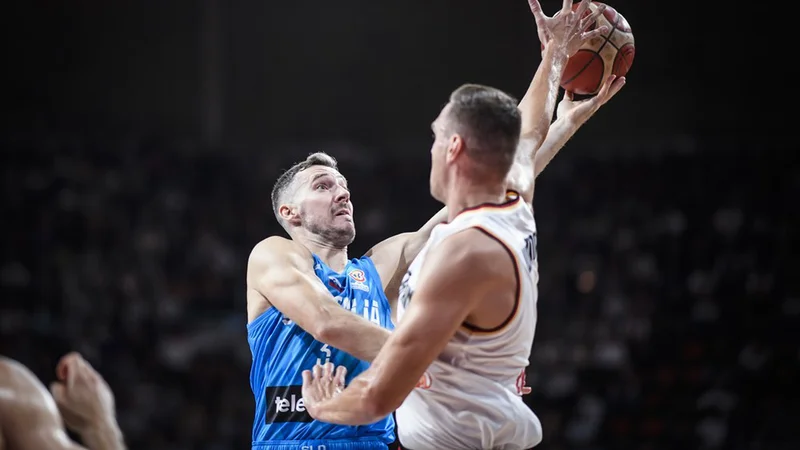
column 321, row 186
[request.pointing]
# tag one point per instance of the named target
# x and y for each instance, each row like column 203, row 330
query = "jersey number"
column 530, row 251
column 327, row 352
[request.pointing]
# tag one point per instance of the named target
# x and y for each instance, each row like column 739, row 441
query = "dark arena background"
column 140, row 141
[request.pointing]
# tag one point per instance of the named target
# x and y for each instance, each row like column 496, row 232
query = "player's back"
column 471, row 397
column 281, row 350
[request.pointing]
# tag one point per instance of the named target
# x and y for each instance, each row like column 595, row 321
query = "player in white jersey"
column 468, row 302
column 470, row 395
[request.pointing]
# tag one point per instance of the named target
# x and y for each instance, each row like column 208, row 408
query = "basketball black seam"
column 607, row 41
column 577, row 74
column 597, row 54
column 613, row 29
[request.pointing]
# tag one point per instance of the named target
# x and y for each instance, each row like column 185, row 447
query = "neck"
column 333, row 257
column 463, row 196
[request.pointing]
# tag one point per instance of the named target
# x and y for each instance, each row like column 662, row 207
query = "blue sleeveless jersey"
column 282, row 350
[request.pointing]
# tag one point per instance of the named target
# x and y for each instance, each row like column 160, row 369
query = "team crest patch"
column 358, row 275
column 359, row 280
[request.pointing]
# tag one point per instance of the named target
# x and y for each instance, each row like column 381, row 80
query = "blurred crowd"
column 667, row 314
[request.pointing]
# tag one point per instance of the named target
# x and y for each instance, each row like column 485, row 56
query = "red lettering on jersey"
column 521, row 388
column 424, row 381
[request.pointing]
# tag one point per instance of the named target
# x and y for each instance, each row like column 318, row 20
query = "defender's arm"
column 560, row 132
column 280, row 273
column 538, row 104
column 29, row 417
column 537, row 107
column 459, row 274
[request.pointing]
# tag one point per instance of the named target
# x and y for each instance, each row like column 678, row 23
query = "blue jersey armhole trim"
column 271, row 311
column 371, row 267
column 374, row 272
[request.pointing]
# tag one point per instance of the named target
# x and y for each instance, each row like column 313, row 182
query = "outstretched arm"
column 561, row 36
column 280, row 273
column 459, row 273
column 538, row 103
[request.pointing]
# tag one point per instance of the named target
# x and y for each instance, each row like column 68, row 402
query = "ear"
column 289, row 214
column 455, row 147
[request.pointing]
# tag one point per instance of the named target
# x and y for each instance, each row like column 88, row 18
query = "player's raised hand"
column 82, row 395
column 579, row 111
column 542, row 21
column 568, row 28
column 322, row 383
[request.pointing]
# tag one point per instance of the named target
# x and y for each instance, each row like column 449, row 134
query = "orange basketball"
column 601, row 56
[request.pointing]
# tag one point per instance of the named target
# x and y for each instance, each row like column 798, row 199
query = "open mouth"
column 343, row 212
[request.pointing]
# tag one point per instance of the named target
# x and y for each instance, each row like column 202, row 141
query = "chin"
column 351, row 235
column 436, row 196
column 345, row 236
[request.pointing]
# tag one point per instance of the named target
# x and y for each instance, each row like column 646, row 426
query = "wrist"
column 569, row 125
column 579, row 116
column 103, row 434
column 560, row 54
column 557, row 52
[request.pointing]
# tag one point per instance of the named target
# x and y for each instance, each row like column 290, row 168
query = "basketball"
column 601, row 56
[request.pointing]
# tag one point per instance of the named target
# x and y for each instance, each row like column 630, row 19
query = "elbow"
column 533, row 137
column 376, row 405
column 380, row 409
column 326, row 330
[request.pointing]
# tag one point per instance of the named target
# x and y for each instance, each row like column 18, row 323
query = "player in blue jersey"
column 308, row 303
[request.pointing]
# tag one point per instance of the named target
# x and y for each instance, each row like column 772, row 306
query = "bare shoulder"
column 475, row 254
column 21, row 389
column 275, row 245
column 277, row 250
column 29, row 417
column 273, row 261
column 397, row 241
column 14, row 375
column 391, row 263
column 478, row 247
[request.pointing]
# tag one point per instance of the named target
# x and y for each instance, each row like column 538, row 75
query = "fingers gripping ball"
column 609, row 53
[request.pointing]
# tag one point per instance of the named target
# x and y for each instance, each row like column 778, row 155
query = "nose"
column 343, row 195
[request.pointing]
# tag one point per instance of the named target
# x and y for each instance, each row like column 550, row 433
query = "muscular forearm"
column 560, row 132
column 354, row 335
column 539, row 102
column 103, row 436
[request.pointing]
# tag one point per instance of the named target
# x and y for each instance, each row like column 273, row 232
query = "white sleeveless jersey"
column 470, row 396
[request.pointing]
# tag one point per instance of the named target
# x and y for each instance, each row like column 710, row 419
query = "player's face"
column 324, row 206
